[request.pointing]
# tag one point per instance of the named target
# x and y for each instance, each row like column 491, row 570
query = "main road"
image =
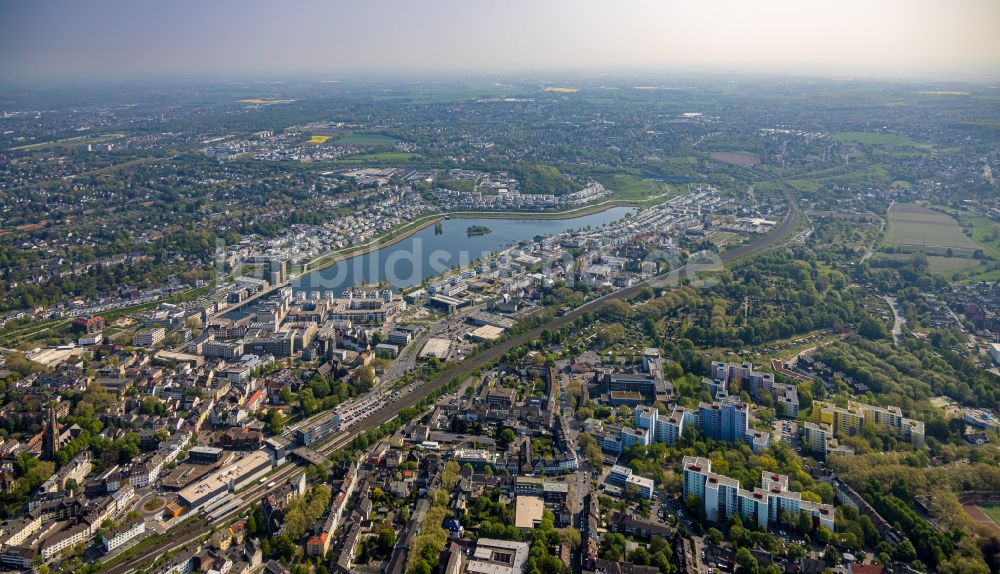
column 187, row 532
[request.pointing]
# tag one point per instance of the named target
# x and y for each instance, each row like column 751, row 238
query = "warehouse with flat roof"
column 486, row 333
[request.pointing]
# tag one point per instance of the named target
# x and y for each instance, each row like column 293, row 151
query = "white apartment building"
column 149, row 337
column 123, row 534
column 722, row 496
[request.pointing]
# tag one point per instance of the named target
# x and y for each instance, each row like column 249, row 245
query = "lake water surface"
column 428, row 253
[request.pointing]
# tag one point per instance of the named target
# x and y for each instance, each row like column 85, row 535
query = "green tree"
column 639, row 556
column 571, row 537
column 872, row 329
column 449, row 478
column 613, row 547
column 276, row 422
column 904, row 551
column 386, row 540
column 611, row 334
column 823, row 535
column 364, row 378
column 282, row 547
column 714, row 535
column 694, row 505
column 805, row 523
column 506, row 438
column 595, row 456
column 746, row 562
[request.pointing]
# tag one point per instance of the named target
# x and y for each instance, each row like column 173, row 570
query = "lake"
column 428, row 252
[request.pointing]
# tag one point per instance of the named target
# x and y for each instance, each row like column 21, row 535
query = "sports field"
column 912, row 225
column 993, row 511
column 987, row 515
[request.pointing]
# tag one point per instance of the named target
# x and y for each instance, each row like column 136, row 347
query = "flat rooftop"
column 528, row 512
column 187, row 473
column 219, row 480
column 436, row 347
column 486, row 333
column 498, row 557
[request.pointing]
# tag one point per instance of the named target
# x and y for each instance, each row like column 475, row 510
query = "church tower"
column 50, row 442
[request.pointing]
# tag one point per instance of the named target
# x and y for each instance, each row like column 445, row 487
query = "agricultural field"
column 871, row 138
column 939, row 264
column 915, row 226
column 318, row 139
column 365, row 139
column 738, row 159
column 562, row 90
column 985, row 231
column 935, row 263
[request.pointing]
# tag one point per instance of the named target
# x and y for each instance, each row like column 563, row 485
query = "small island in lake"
column 474, row 230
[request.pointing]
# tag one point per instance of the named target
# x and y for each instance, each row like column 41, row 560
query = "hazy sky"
column 115, row 38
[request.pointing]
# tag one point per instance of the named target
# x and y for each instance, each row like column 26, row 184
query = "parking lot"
column 786, row 431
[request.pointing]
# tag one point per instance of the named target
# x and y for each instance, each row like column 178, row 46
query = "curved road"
column 185, row 533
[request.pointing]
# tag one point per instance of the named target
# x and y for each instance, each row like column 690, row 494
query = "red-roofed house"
column 316, row 545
